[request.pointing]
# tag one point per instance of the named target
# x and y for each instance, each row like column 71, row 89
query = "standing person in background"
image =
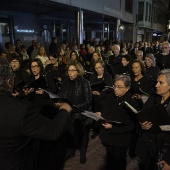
column 53, row 46
column 21, row 125
column 77, row 90
column 31, row 48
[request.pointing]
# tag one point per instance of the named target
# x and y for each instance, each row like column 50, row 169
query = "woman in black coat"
column 140, row 82
column 78, row 91
column 151, row 69
column 99, row 76
column 116, row 137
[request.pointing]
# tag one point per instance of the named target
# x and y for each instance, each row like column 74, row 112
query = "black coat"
column 20, row 124
column 114, row 109
column 145, row 84
column 78, row 91
column 162, row 61
column 149, row 141
column 107, row 79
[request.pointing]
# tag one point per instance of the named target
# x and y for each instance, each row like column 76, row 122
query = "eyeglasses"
column 97, row 68
column 118, row 87
column 36, row 66
column 71, row 70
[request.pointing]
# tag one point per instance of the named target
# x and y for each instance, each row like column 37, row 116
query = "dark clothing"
column 78, row 91
column 163, row 61
column 119, row 136
column 107, row 79
column 57, row 73
column 114, row 61
column 124, row 69
column 113, row 109
column 152, row 72
column 144, row 84
column 53, row 48
column 149, row 142
column 20, row 124
column 133, row 53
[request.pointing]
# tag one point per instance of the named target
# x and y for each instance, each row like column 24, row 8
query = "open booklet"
column 101, row 86
column 144, row 96
column 55, row 98
column 158, row 115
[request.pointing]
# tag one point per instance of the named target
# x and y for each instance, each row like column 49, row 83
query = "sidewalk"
column 95, row 157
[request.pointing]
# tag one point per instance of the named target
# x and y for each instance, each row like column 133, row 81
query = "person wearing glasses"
column 77, row 90
column 163, row 59
column 116, row 136
column 100, row 75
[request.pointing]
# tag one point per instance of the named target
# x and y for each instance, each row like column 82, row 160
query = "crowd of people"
column 38, row 133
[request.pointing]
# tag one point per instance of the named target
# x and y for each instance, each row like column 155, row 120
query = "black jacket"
column 114, row 109
column 149, row 141
column 78, row 91
column 20, row 125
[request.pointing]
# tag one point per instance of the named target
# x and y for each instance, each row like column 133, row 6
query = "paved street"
column 95, row 157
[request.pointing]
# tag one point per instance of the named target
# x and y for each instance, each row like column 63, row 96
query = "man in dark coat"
column 20, row 124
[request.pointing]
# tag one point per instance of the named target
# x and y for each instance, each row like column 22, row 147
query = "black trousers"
column 79, row 139
column 116, row 157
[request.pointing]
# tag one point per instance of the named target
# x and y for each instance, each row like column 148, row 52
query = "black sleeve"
column 37, row 126
column 167, row 157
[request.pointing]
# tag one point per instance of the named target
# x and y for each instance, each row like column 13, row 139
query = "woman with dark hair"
column 141, row 89
column 56, row 69
column 141, row 84
column 35, row 94
column 77, row 90
column 125, row 65
column 116, row 137
column 37, row 73
column 74, row 55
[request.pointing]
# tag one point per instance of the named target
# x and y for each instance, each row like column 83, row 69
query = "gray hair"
column 125, row 78
column 5, row 74
column 166, row 72
column 152, row 58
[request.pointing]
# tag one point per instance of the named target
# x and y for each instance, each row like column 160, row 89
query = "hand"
column 96, row 93
column 65, row 106
column 39, row 91
column 15, row 93
column 165, row 165
column 107, row 125
column 28, row 91
column 99, row 113
column 146, row 125
column 137, row 96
